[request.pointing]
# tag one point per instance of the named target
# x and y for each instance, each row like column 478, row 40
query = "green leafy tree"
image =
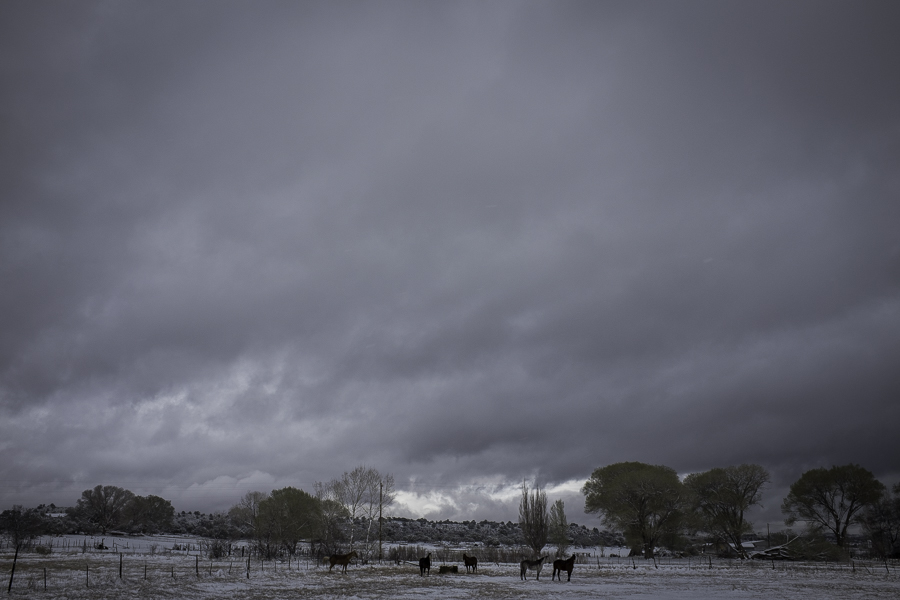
column 722, row 496
column 332, row 517
column 104, row 505
column 832, row 499
column 881, row 522
column 533, row 518
column 19, row 525
column 559, row 528
column 289, row 516
column 644, row 502
column 148, row 514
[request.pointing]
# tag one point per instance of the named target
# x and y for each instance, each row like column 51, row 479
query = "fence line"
column 103, row 569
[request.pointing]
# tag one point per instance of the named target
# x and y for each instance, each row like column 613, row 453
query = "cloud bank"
column 243, row 247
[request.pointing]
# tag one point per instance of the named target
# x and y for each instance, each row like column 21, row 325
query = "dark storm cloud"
column 247, row 247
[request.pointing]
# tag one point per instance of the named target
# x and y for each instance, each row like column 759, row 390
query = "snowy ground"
column 130, row 544
column 175, row 575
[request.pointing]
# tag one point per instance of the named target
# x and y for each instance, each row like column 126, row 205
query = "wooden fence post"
column 12, row 572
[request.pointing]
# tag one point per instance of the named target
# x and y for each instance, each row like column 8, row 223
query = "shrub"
column 217, row 549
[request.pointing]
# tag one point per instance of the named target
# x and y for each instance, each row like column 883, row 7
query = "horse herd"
column 471, row 563
column 558, row 567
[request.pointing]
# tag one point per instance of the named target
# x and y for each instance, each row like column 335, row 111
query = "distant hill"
column 488, row 533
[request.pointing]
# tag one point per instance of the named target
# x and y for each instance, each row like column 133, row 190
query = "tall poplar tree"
column 559, row 528
column 533, row 518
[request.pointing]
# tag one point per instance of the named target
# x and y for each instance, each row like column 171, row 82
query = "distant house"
column 747, row 547
column 752, row 546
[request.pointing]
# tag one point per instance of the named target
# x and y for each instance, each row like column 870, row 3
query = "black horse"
column 563, row 565
column 470, row 562
column 425, row 565
column 341, row 560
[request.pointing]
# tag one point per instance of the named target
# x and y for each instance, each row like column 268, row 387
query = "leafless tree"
column 245, row 514
column 363, row 494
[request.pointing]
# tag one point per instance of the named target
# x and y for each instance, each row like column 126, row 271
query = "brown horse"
column 534, row 565
column 470, row 561
column 342, row 560
column 425, row 565
column 563, row 565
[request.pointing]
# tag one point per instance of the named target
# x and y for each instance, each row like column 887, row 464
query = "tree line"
column 644, row 506
column 343, row 512
column 100, row 509
column 652, row 507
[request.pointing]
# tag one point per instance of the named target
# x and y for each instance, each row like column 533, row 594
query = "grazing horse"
column 425, row 565
column 534, row 565
column 470, row 561
column 563, row 565
column 342, row 560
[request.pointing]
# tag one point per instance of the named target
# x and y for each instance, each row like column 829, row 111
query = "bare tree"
column 363, row 493
column 533, row 518
column 245, row 514
column 379, row 495
column 559, row 528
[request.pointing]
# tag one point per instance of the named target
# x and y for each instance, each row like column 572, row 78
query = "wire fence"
column 68, row 567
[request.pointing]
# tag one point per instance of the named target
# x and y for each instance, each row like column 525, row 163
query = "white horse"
column 534, row 565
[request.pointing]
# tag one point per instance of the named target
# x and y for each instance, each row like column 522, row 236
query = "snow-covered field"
column 71, row 574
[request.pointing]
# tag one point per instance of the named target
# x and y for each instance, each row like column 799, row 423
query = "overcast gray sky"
column 251, row 245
